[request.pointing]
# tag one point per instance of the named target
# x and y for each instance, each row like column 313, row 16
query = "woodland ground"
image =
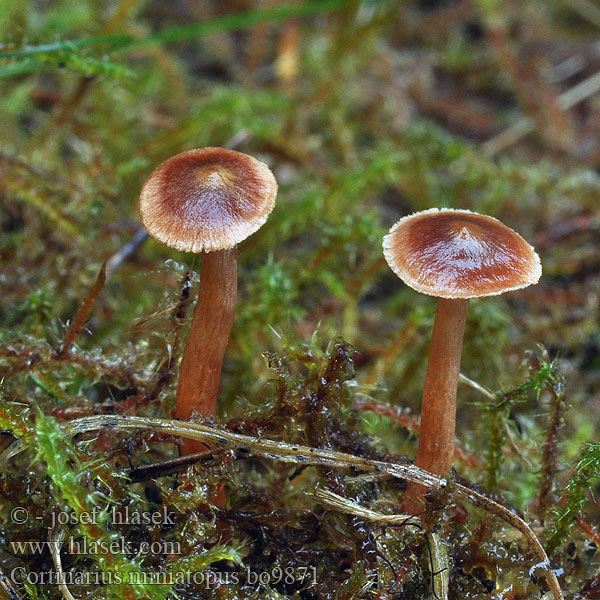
column 365, row 111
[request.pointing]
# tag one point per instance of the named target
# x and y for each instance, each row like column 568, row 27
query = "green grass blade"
column 183, row 32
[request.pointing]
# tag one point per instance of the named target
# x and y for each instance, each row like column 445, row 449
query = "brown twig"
column 585, row 9
column 81, row 316
column 565, row 229
column 536, row 95
column 573, row 96
column 68, row 108
column 41, row 173
column 404, row 338
column 168, row 467
column 127, row 251
column 413, row 426
column 587, row 528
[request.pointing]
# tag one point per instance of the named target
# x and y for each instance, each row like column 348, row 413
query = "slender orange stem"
column 202, row 362
column 438, row 409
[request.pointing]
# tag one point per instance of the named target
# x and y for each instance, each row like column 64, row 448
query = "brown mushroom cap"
column 459, row 254
column 207, row 200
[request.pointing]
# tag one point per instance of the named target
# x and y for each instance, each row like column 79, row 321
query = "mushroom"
column 453, row 255
column 207, row 201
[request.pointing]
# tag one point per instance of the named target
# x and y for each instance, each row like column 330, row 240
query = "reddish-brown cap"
column 208, row 199
column 459, row 254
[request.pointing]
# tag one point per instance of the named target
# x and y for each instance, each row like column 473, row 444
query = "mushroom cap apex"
column 456, row 253
column 207, row 199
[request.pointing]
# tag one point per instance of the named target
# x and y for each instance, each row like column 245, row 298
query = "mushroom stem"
column 438, row 409
column 200, row 372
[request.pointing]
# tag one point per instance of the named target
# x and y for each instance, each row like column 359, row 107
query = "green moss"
column 373, row 123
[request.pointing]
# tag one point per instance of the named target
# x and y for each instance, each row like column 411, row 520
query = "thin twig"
column 413, row 425
column 585, row 9
column 41, row 173
column 476, row 386
column 56, row 536
column 439, row 556
column 587, row 528
column 126, row 251
column 81, row 316
column 7, row 589
column 511, row 442
column 588, row 87
column 168, row 467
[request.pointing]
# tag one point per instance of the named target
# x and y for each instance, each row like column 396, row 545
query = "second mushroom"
column 454, row 255
column 207, row 201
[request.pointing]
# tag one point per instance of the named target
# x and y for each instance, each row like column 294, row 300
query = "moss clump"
column 278, row 532
column 366, row 111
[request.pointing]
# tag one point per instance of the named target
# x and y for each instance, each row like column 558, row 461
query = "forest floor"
column 365, row 112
